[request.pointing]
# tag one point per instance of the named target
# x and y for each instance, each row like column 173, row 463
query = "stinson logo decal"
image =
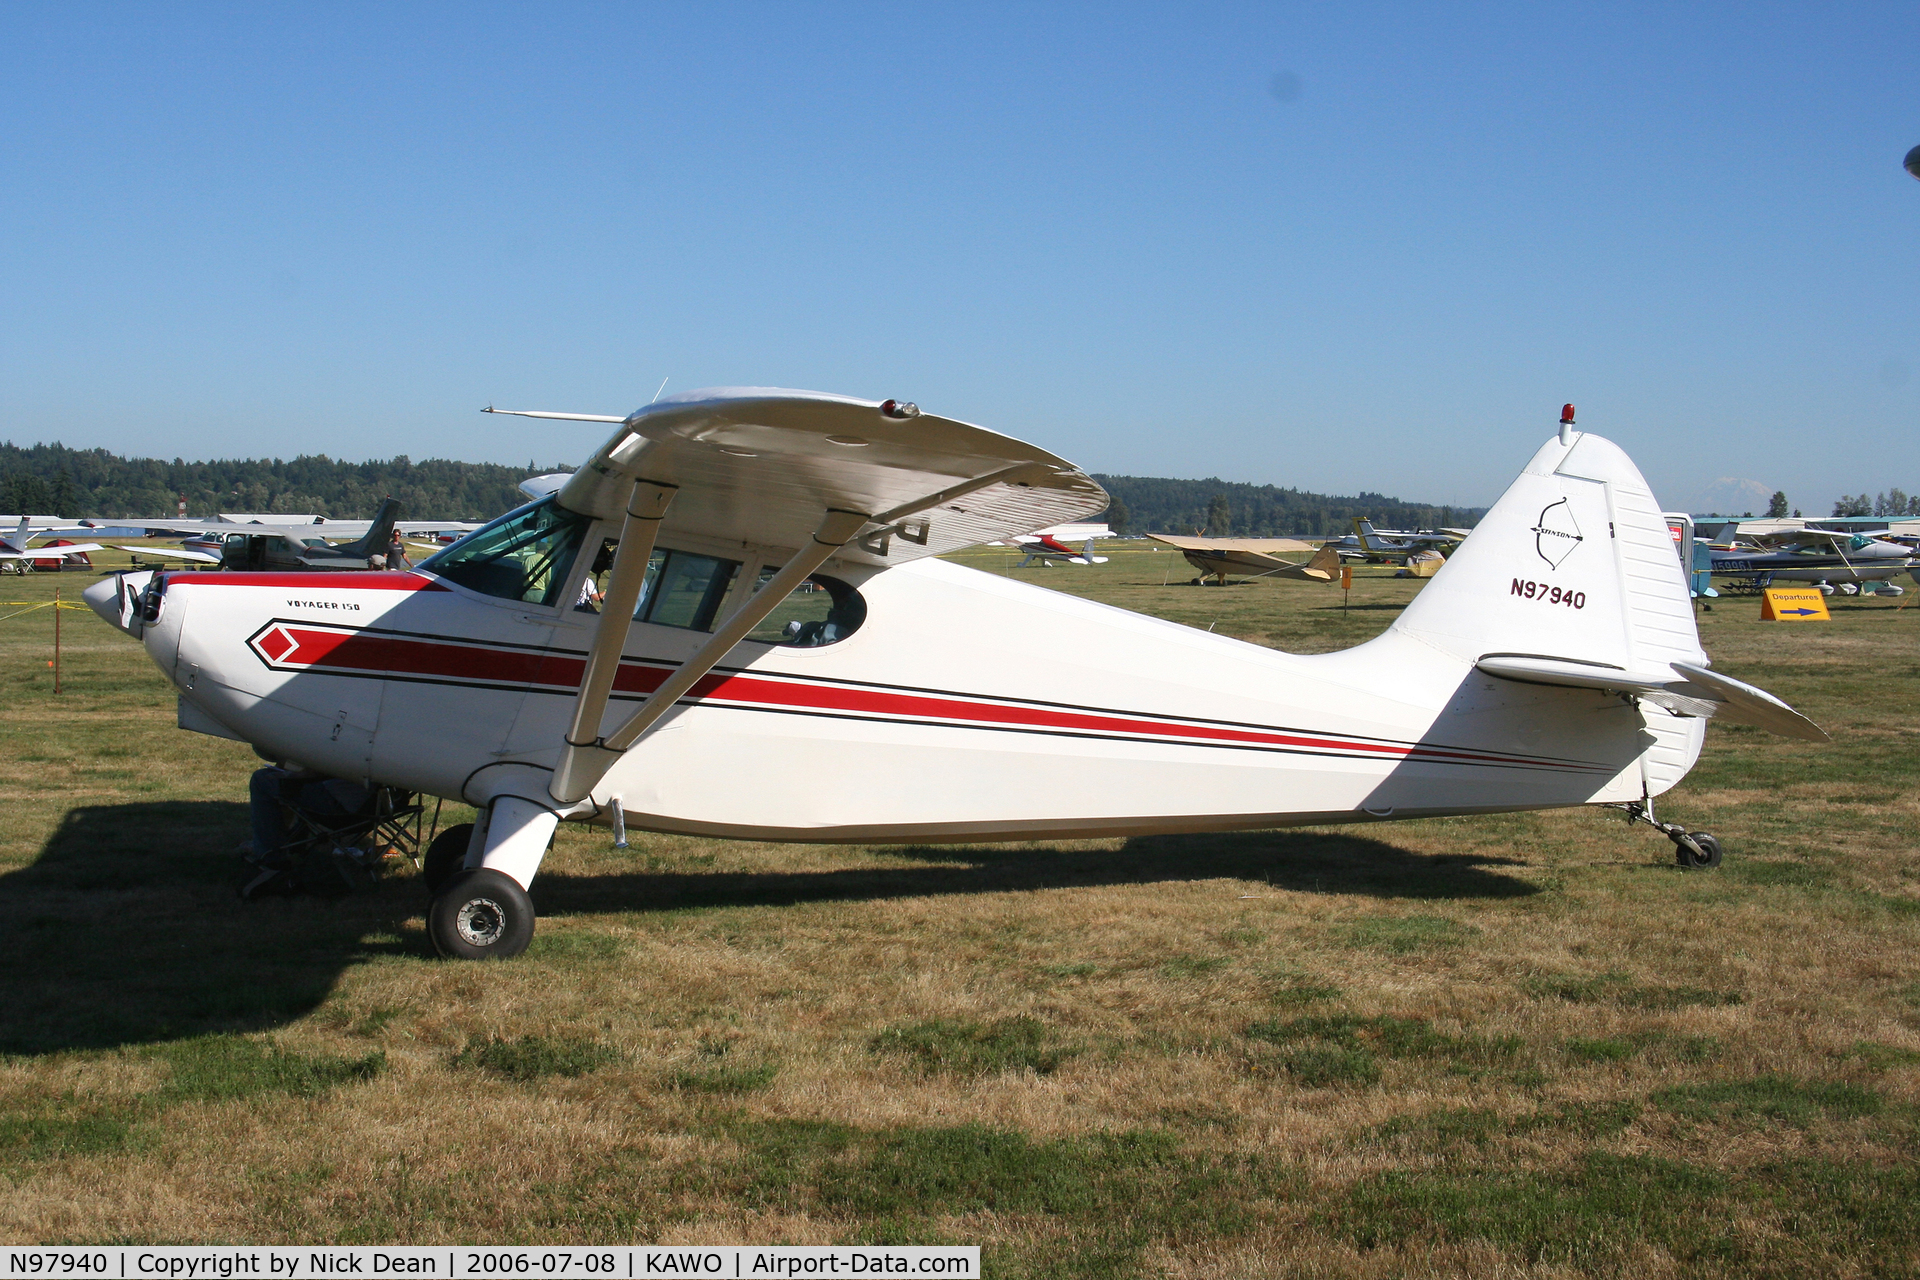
column 1557, row 534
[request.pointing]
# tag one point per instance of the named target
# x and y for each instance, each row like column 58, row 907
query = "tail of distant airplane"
column 1571, row 581
column 21, row 535
column 1324, row 565
column 1364, row 533
column 377, row 537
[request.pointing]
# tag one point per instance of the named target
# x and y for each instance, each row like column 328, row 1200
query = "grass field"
column 1511, row 1046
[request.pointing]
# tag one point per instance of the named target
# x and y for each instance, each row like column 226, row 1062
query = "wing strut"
column 645, row 509
column 585, row 763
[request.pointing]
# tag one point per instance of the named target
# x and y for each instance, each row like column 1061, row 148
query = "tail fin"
column 376, row 539
column 1573, row 562
column 21, row 536
column 1364, row 534
column 1323, row 567
column 1571, row 580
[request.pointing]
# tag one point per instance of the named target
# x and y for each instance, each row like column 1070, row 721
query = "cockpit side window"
column 821, row 611
column 683, row 588
column 524, row 555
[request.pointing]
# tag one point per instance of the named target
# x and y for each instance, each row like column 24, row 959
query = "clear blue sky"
column 1338, row 246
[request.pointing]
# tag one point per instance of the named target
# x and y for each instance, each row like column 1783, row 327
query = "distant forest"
column 1224, row 508
column 51, row 479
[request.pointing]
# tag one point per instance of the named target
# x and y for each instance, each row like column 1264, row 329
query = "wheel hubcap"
column 480, row 922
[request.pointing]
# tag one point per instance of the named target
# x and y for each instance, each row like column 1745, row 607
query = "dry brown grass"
column 1529, row 989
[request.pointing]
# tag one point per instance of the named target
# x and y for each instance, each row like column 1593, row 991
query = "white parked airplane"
column 930, row 701
column 1046, row 549
column 16, row 546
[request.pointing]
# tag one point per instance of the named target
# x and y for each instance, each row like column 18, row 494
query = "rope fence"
column 23, row 607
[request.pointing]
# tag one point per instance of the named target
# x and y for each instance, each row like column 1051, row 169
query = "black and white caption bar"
column 621, row 1262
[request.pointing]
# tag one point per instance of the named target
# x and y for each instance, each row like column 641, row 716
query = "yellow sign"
column 1793, row 604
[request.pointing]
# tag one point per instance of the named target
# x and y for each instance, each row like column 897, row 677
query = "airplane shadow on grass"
column 128, row 930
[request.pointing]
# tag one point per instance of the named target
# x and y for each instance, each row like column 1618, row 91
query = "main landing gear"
column 478, row 874
column 1690, row 848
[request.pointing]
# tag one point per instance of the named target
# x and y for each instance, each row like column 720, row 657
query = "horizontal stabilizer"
column 1684, row 689
column 1745, row 704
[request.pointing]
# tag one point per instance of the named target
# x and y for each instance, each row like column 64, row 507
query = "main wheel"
column 481, row 915
column 444, row 856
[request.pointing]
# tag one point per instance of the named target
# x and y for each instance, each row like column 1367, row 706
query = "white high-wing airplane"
column 15, row 545
column 927, row 702
column 1046, row 549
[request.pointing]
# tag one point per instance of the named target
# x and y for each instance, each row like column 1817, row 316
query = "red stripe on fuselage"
column 317, row 580
column 377, row 654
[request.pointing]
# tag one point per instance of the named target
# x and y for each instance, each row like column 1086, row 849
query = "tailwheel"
column 444, row 856
column 1696, row 849
column 481, row 915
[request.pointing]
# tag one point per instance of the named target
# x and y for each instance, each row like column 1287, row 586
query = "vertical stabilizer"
column 374, row 542
column 1574, row 562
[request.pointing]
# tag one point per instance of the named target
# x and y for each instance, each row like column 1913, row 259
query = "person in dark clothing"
column 397, row 553
column 273, row 792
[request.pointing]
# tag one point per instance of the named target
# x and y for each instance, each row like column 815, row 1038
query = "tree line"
column 1894, row 503
column 1225, row 508
column 1891, row 503
column 51, row 479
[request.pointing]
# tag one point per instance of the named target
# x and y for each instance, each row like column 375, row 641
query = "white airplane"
column 15, row 546
column 931, row 702
column 1046, row 549
column 258, row 542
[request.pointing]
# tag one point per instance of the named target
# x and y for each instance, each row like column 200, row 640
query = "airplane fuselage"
column 968, row 706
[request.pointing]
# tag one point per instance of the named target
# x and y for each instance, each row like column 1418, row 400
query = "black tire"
column 481, row 915
column 1706, row 852
column 444, row 856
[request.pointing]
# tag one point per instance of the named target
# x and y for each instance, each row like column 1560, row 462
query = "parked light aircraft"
column 943, row 703
column 1254, row 558
column 1846, row 562
column 1393, row 546
column 259, row 545
column 18, row 554
column 1046, row 549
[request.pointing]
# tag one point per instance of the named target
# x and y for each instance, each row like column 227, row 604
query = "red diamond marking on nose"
column 277, row 644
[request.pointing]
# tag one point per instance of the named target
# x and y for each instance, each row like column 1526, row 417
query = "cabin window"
column 683, row 589
column 820, row 611
column 524, row 555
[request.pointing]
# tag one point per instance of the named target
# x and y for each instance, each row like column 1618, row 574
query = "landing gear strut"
column 480, row 908
column 1690, row 848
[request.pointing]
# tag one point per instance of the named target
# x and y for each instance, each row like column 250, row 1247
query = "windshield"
column 524, row 555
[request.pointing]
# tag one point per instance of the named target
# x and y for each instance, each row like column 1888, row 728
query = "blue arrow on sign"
column 1802, row 612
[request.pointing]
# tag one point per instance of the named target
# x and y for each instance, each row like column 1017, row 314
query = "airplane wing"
column 762, row 465
column 813, row 476
column 48, row 553
column 1258, row 546
column 174, row 553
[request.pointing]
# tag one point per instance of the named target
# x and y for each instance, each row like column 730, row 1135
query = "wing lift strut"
column 589, row 753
